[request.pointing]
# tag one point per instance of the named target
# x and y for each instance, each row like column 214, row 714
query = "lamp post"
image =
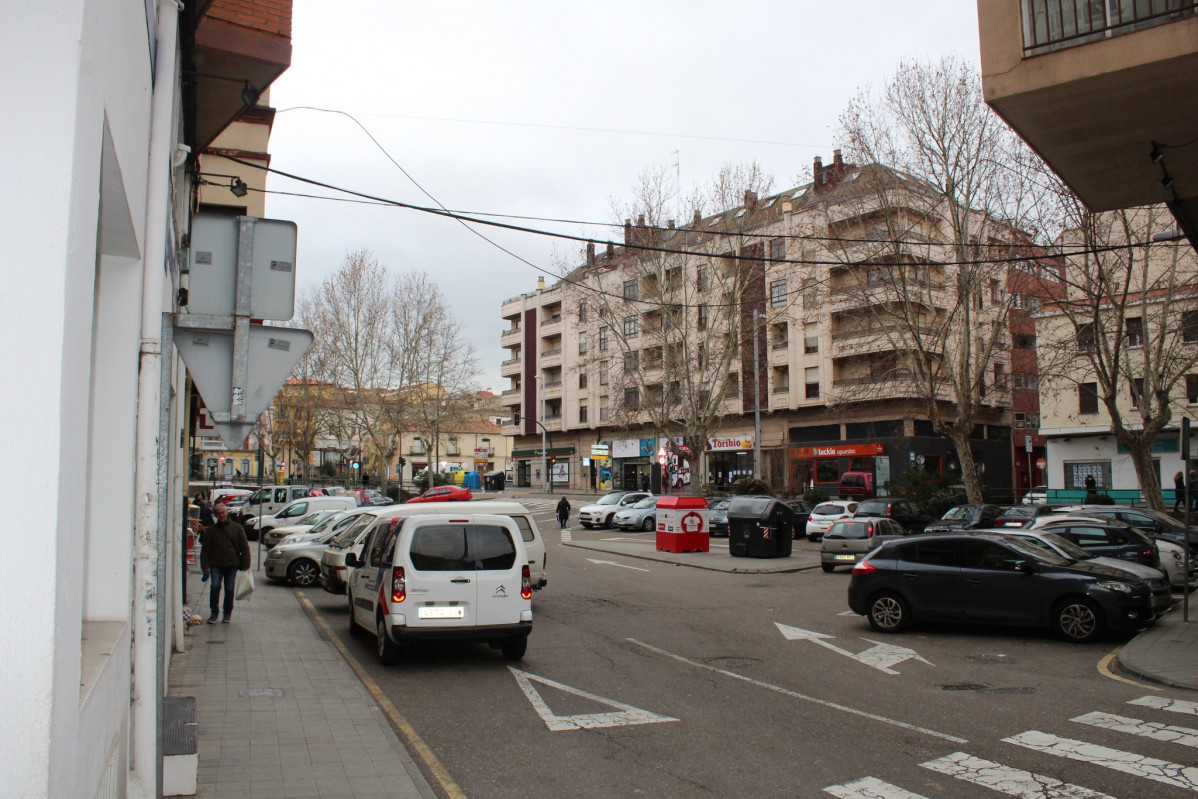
column 756, row 401
column 545, row 486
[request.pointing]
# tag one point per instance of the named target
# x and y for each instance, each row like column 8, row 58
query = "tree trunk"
column 969, row 470
column 1140, row 453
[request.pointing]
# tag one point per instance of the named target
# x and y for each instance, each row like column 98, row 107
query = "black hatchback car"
column 1109, row 538
column 908, row 513
column 987, row 578
column 965, row 517
column 1151, row 522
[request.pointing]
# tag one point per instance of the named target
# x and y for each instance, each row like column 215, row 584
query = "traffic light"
column 401, row 461
column 516, row 418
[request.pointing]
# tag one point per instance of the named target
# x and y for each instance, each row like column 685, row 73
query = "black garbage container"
column 759, row 527
column 494, row 481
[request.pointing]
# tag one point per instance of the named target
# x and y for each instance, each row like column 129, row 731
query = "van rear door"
column 441, row 586
column 500, row 561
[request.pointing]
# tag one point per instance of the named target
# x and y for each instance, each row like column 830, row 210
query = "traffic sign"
column 1041, row 464
column 217, row 244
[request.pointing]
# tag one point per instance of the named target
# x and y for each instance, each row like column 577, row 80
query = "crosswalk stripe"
column 1137, row 765
column 1147, row 729
column 870, row 788
column 1172, row 705
column 1011, row 781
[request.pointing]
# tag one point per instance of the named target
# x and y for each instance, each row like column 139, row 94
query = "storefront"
column 527, row 466
column 822, row 466
column 632, row 463
column 729, row 458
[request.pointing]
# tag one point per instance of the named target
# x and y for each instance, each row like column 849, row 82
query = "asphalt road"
column 647, row 679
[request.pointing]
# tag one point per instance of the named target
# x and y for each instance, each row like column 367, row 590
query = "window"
column 632, row 398
column 632, row 326
column 811, row 378
column 732, row 387
column 631, row 290
column 702, row 317
column 1134, row 331
column 1085, row 338
column 1025, row 302
column 603, row 414
column 827, row 470
column 603, row 373
column 417, row 446
column 981, row 554
column 810, row 294
column 1192, row 389
column 1087, row 398
column 582, row 344
column 777, row 249
column 995, row 293
column 810, row 338
column 1137, row 390
column 1189, row 326
column 453, row 446
column 602, row 338
column 1000, row 376
column 1028, row 380
column 582, row 310
column 1076, row 474
column 781, row 336
column 1025, row 341
column 582, row 380
column 632, row 361
column 582, row 414
column 702, row 279
column 777, row 293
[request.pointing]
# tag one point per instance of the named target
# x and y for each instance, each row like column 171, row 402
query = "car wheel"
column 608, row 521
column 585, row 526
column 515, row 648
column 814, row 537
column 888, row 613
column 828, row 567
column 1078, row 620
column 385, row 648
column 648, row 524
column 304, row 573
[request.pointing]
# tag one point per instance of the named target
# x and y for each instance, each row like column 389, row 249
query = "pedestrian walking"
column 206, row 518
column 1091, row 485
column 563, row 512
column 1179, row 490
column 226, row 550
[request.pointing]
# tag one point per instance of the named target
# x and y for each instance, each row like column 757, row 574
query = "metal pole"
column 1185, row 588
column 756, row 401
column 544, row 453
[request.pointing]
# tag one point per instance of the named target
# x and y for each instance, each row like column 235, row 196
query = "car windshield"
column 1067, row 547
column 1020, row 511
column 327, row 522
column 1036, row 553
column 610, row 499
column 828, row 509
column 962, row 513
column 647, row 502
column 262, row 495
column 312, row 518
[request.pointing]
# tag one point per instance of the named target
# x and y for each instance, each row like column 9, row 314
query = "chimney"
column 611, row 250
column 640, row 221
column 750, row 199
column 627, row 231
column 670, row 224
column 836, row 159
column 787, row 209
column 541, row 283
column 698, row 220
column 590, row 253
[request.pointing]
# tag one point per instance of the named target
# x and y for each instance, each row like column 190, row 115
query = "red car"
column 444, row 494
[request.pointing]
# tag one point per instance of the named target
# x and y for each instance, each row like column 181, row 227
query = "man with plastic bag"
column 226, row 550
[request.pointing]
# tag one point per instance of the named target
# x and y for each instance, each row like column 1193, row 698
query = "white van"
column 295, row 510
column 461, row 576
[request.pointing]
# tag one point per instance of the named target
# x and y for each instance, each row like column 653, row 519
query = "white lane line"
column 613, row 563
column 1011, row 781
column 796, row 695
column 1172, row 705
column 1137, row 765
column 567, row 536
column 624, row 715
column 1146, row 729
column 871, row 788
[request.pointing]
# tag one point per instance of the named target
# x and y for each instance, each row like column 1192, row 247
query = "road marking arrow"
column 613, row 563
column 624, row 716
column 878, row 656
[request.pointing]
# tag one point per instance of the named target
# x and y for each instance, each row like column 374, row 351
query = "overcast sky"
column 552, row 109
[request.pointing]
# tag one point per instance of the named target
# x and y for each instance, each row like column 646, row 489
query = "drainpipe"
column 153, row 427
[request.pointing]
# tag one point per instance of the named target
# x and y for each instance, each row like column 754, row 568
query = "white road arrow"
column 879, row 656
column 613, row 563
column 623, row 715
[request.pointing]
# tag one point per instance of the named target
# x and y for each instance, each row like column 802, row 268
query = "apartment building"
column 817, row 309
column 1104, row 93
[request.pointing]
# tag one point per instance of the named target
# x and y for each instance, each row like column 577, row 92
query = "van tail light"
column 399, row 585
column 869, row 531
column 864, row 567
column 525, row 583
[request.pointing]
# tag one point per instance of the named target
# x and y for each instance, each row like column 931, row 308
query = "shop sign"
column 627, row 448
column 559, row 473
column 599, row 450
column 730, row 443
column 840, row 451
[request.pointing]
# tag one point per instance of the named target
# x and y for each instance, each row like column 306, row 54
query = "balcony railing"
column 1055, row 24
column 511, row 361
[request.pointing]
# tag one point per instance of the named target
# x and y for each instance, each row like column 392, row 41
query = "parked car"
column 1110, row 538
column 1152, row 522
column 467, row 575
column 298, row 562
column 825, row 513
column 849, row 540
column 641, row 516
column 227, row 495
column 374, row 497
column 990, row 578
column 1038, row 495
column 965, row 517
column 1162, row 597
column 717, row 517
column 274, row 536
column 601, row 513
column 1173, row 563
column 857, row 485
column 267, row 501
column 908, row 513
column 1024, row 515
column 295, row 511
column 443, row 494
column 351, row 537
column 801, row 509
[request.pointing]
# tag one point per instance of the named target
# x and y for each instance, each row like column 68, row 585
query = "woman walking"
column 563, row 512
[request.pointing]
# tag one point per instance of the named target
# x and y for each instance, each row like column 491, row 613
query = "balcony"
column 553, row 390
column 1091, row 93
column 510, row 367
column 511, row 337
column 551, row 326
column 551, row 357
column 779, row 356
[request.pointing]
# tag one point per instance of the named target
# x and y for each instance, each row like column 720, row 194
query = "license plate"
column 441, row 612
column 844, row 557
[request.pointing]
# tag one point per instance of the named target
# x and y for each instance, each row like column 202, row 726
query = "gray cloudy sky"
column 552, row 109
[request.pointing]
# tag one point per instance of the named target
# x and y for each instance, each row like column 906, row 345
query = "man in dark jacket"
column 225, row 551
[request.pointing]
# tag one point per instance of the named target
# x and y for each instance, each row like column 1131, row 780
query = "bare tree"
column 923, row 230
column 668, row 307
column 1119, row 336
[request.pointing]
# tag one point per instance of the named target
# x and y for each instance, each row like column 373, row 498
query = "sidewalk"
column 280, row 713
column 1167, row 652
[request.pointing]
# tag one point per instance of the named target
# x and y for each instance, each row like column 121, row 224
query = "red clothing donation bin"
column 682, row 525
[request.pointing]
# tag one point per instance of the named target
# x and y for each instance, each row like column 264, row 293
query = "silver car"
column 848, row 541
column 298, row 562
column 641, row 516
column 601, row 513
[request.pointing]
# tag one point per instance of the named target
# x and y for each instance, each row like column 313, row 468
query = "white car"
column 1173, row 562
column 601, row 513
column 1036, row 496
column 308, row 523
column 825, row 513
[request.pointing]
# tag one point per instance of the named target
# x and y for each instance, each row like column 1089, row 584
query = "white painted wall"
column 1103, row 448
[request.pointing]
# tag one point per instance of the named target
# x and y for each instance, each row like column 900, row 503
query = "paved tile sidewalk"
column 280, row 713
column 1167, row 652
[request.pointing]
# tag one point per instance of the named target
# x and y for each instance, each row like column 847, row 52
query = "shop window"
column 1077, row 472
column 827, row 470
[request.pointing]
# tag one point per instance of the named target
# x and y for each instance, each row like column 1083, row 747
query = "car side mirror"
column 352, row 561
column 1024, row 566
